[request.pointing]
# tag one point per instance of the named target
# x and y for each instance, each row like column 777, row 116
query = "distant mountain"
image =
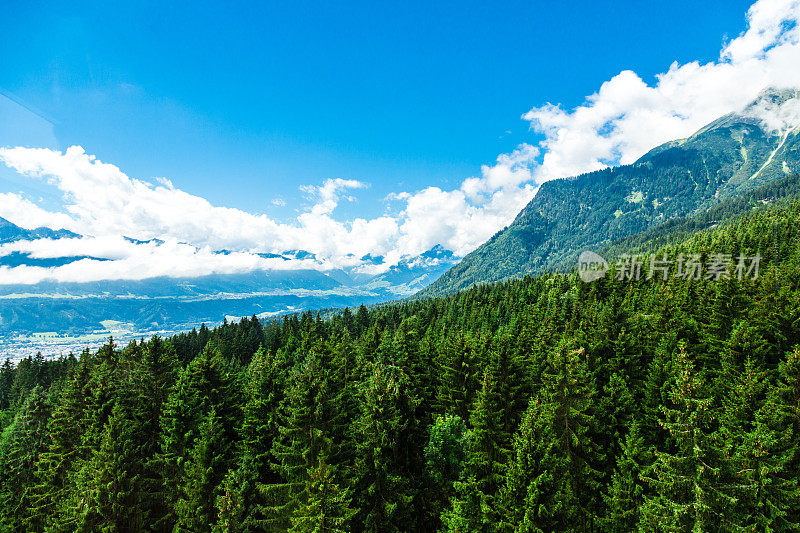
column 15, row 259
column 157, row 242
column 732, row 155
column 10, row 232
column 179, row 303
column 413, row 274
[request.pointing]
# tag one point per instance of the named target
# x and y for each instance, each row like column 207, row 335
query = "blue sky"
column 244, row 103
column 341, row 128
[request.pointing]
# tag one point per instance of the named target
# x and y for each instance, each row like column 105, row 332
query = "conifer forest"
column 538, row 404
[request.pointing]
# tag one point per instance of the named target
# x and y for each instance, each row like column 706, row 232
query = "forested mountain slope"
column 730, row 156
column 538, row 404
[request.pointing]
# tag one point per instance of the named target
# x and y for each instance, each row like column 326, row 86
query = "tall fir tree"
column 206, row 383
column 65, row 450
column 383, row 489
column 626, row 492
column 110, row 494
column 327, row 506
column 552, row 483
column 205, row 470
column 687, row 478
column 21, row 445
column 765, row 448
column 309, row 419
column 243, row 506
column 456, row 376
column 530, row 499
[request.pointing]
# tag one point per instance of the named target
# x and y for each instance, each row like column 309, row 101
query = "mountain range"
column 10, row 232
column 166, row 303
column 730, row 156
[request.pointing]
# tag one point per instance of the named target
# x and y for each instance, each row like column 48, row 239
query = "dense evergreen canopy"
column 539, row 404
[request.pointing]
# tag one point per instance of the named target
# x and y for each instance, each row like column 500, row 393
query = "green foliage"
column 114, row 498
column 445, row 453
column 625, row 495
column 383, row 429
column 688, row 479
column 538, row 404
column 205, row 469
column 327, row 506
column 552, row 484
column 21, row 445
column 206, row 384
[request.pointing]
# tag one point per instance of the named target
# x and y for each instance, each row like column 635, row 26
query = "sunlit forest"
column 537, row 404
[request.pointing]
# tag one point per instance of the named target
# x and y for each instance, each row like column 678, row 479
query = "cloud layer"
column 132, row 261
column 627, row 117
column 102, row 202
column 621, row 121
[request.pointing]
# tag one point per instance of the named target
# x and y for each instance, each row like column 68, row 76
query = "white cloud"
column 100, row 199
column 328, row 195
column 102, row 202
column 27, row 214
column 627, row 117
column 776, row 116
column 512, row 170
column 621, row 121
column 133, row 261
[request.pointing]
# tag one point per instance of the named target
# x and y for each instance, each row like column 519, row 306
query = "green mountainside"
column 734, row 154
column 777, row 193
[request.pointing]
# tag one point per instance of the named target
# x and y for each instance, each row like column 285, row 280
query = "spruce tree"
column 309, row 418
column 626, row 492
column 153, row 376
column 243, row 504
column 494, row 419
column 110, row 484
column 530, row 499
column 206, row 383
column 456, row 376
column 237, row 504
column 65, row 450
column 204, row 472
column 21, row 445
column 383, row 491
column 466, row 513
column 552, row 482
column 766, row 449
column 327, row 506
column 687, row 478
column 489, row 446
